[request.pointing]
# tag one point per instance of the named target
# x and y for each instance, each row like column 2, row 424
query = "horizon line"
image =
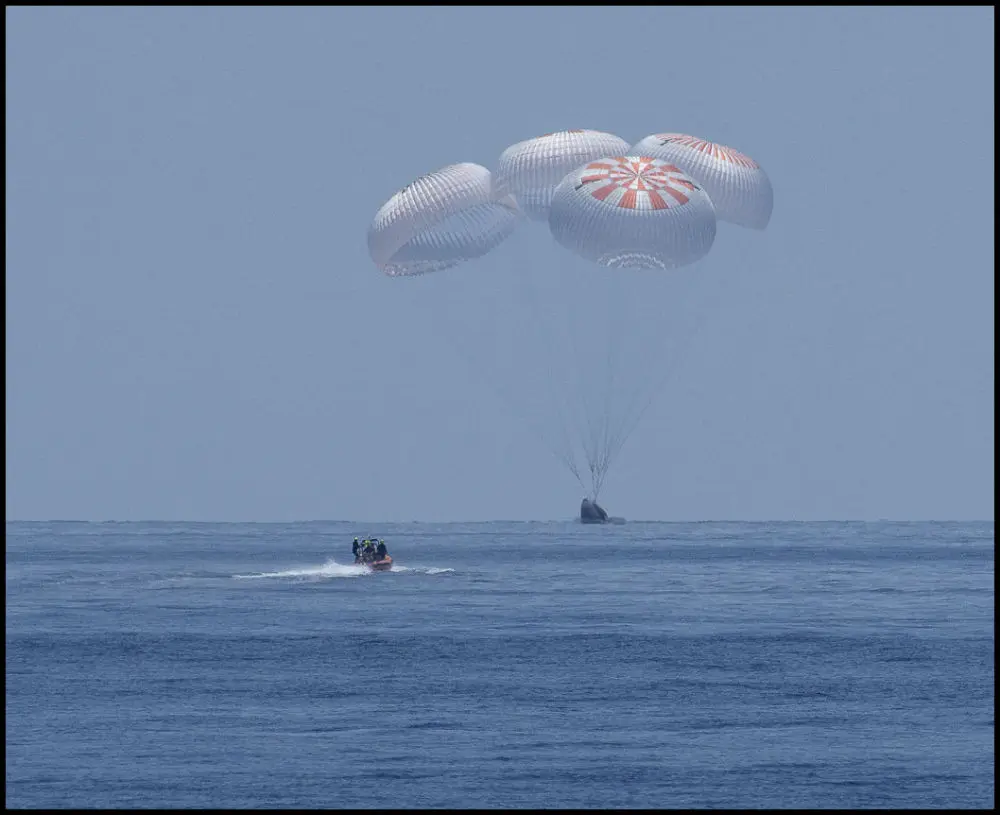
column 490, row 521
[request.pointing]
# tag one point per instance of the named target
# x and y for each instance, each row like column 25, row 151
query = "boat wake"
column 328, row 570
column 331, row 569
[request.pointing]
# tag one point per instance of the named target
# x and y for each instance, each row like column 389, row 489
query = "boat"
column 383, row 565
column 372, row 553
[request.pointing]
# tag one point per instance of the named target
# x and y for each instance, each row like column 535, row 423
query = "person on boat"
column 367, row 555
column 380, row 550
column 356, row 549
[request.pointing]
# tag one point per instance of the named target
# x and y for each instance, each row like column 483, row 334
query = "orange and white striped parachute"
column 633, row 211
column 739, row 188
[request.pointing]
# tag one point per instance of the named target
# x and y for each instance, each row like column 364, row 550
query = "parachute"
column 531, row 170
column 573, row 340
column 738, row 187
column 633, row 212
column 440, row 220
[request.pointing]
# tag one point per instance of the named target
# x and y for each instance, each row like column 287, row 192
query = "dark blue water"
column 500, row 665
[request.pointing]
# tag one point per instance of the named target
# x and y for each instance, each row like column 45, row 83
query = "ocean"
column 500, row 665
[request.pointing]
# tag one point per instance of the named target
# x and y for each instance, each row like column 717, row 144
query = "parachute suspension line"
column 613, row 426
column 564, row 449
column 576, row 388
column 705, row 311
column 671, row 369
column 566, row 386
column 619, row 353
column 612, row 441
column 620, row 424
column 464, row 353
column 631, row 415
column 611, row 335
column 614, row 328
column 564, row 444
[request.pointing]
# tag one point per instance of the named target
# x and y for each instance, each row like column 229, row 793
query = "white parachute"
column 441, row 219
column 738, row 186
column 531, row 170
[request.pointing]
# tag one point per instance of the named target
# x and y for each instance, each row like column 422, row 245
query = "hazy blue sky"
column 195, row 330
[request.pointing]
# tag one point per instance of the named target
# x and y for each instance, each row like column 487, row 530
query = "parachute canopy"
column 441, row 219
column 739, row 188
column 531, row 170
column 632, row 211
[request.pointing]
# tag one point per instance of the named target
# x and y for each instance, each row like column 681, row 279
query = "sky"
column 195, row 330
